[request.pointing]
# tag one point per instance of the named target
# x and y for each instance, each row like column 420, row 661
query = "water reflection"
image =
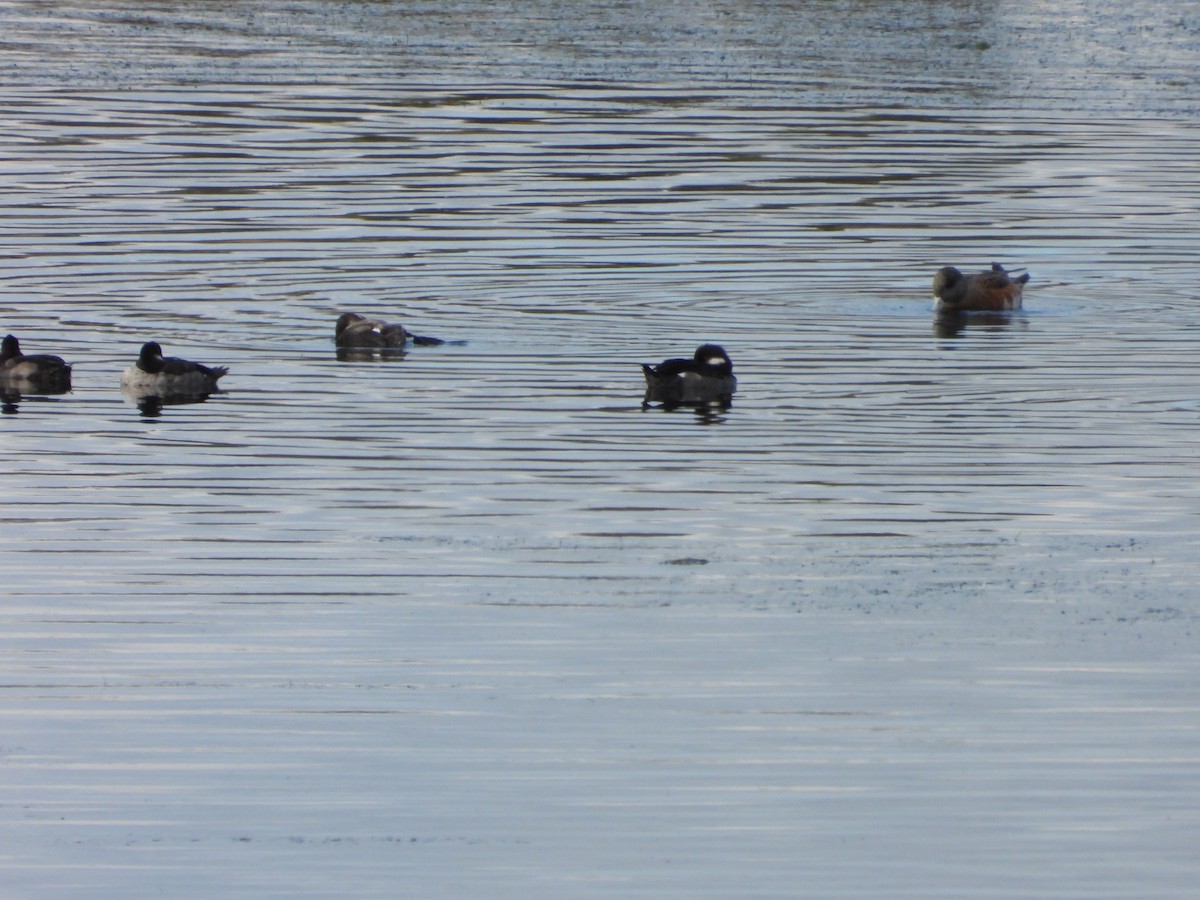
column 949, row 324
column 14, row 389
column 151, row 405
column 391, row 354
column 370, row 354
column 710, row 412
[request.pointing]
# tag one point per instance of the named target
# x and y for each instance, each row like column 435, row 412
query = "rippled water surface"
column 912, row 618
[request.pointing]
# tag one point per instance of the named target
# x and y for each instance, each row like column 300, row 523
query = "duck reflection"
column 151, row 405
column 707, row 412
column 15, row 388
column 948, row 324
column 370, row 354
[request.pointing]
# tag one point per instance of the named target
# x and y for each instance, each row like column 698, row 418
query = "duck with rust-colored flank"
column 156, row 375
column 36, row 370
column 991, row 291
column 356, row 332
column 705, row 378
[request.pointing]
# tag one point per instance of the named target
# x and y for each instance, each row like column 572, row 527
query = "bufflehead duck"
column 359, row 332
column 992, row 290
column 705, row 378
column 39, row 369
column 156, row 375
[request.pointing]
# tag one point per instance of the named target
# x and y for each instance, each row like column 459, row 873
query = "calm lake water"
column 914, row 617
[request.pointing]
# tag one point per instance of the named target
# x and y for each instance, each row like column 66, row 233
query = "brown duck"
column 991, row 290
column 359, row 332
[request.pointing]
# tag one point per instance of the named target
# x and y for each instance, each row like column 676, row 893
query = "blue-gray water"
column 913, row 618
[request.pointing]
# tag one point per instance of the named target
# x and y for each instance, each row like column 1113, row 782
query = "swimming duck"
column 705, row 378
column 38, row 369
column 156, row 375
column 991, row 290
column 353, row 330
